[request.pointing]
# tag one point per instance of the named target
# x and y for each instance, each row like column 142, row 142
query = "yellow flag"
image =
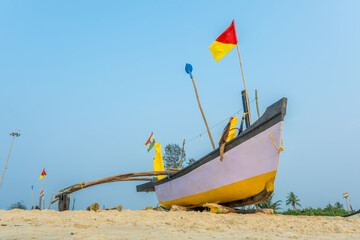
column 232, row 132
column 224, row 43
column 158, row 160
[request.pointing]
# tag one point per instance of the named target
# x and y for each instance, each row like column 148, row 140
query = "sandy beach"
column 128, row 224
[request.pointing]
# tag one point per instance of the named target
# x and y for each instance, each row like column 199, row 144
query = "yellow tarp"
column 158, row 160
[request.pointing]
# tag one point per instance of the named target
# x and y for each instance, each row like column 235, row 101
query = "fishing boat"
column 240, row 172
column 245, row 175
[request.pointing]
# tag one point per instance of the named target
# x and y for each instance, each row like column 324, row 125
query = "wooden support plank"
column 116, row 178
column 180, row 208
column 216, row 208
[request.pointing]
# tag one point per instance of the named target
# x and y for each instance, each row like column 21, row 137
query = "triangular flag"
column 43, row 174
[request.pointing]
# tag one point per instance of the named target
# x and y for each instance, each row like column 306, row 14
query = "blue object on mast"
column 188, row 68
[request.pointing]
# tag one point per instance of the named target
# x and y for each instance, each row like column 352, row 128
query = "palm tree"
column 18, row 205
column 293, row 200
column 329, row 206
column 338, row 205
column 269, row 204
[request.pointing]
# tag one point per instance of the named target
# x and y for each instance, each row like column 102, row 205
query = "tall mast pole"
column 13, row 134
column 188, row 69
column 243, row 77
column 350, row 204
column 347, row 205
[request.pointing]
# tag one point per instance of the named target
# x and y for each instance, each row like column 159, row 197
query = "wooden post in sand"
column 64, row 202
column 188, row 70
column 40, row 202
column 51, row 199
column 32, row 197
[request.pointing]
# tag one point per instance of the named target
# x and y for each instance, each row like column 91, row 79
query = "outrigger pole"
column 116, row 178
column 243, row 77
column 188, row 70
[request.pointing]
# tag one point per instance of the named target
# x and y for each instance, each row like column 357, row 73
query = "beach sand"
column 128, row 224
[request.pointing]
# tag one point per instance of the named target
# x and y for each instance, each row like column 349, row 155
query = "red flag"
column 224, row 43
column 43, row 174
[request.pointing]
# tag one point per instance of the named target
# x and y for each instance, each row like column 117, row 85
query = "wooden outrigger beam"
column 116, row 178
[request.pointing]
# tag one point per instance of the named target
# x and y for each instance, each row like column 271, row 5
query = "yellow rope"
column 282, row 144
column 81, row 185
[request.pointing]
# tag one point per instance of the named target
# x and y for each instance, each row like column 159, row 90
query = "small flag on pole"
column 42, row 193
column 32, row 187
column 43, row 174
column 345, row 195
column 224, row 43
column 150, row 142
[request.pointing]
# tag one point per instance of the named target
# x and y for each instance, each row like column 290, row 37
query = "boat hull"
column 245, row 176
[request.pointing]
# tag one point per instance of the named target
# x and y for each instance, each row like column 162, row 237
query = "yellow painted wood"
column 229, row 193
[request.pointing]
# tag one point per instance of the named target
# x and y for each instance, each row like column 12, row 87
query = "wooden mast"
column 246, row 95
column 188, row 69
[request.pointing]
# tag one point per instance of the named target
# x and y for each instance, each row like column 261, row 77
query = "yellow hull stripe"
column 229, row 193
column 219, row 50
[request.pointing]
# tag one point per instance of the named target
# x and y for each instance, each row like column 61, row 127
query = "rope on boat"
column 280, row 149
column 226, row 119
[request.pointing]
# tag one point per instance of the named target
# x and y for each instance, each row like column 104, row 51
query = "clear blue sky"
column 87, row 81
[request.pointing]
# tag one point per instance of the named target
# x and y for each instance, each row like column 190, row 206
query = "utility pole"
column 13, row 134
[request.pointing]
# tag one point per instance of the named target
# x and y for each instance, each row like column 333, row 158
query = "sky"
column 86, row 82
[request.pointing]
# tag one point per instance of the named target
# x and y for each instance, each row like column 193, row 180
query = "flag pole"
column 42, row 188
column 40, row 202
column 347, row 205
column 350, row 204
column 188, row 69
column 243, row 77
